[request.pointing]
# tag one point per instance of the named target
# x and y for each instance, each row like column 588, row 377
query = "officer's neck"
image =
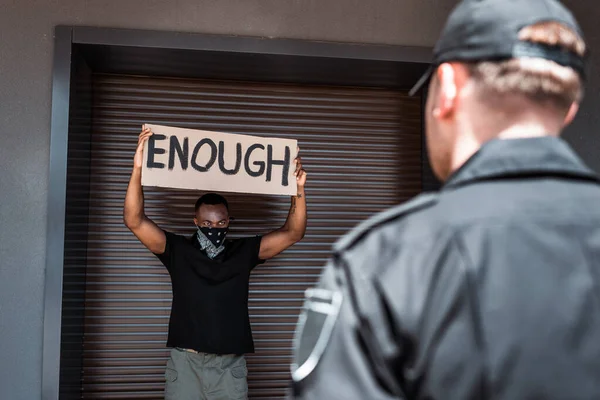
column 474, row 135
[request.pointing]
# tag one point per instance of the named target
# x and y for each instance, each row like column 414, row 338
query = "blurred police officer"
column 489, row 288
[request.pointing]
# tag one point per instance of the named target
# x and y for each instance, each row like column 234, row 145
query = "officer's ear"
column 451, row 78
column 573, row 110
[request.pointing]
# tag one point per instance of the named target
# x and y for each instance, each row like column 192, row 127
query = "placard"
column 220, row 162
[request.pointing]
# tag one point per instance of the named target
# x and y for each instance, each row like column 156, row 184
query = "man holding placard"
column 209, row 328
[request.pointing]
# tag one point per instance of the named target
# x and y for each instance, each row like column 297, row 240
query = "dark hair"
column 211, row 199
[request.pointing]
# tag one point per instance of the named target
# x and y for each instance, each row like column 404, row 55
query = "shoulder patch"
column 394, row 213
column 314, row 328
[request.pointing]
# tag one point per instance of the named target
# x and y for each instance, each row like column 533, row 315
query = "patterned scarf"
column 205, row 244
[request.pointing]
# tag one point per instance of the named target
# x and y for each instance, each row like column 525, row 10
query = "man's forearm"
column 296, row 221
column 133, row 213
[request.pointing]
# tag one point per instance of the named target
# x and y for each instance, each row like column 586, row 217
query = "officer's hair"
column 211, row 199
column 541, row 81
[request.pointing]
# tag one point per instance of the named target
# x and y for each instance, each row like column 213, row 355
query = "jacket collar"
column 512, row 158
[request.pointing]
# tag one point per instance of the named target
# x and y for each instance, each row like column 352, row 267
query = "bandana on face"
column 215, row 235
column 212, row 240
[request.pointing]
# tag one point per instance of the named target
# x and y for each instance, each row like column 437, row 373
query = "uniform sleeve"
column 334, row 364
column 392, row 300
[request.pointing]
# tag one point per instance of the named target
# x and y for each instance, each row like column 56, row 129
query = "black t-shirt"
column 210, row 296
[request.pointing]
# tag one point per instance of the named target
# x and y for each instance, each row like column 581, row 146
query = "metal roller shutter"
column 360, row 146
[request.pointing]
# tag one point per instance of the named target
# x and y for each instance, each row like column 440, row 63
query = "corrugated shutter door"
column 361, row 148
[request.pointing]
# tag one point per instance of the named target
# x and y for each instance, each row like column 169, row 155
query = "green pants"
column 202, row 376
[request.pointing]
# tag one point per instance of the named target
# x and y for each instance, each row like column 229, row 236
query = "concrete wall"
column 26, row 50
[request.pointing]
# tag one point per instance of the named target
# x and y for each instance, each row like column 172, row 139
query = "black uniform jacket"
column 488, row 289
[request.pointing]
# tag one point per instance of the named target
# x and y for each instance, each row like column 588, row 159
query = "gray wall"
column 583, row 133
column 26, row 49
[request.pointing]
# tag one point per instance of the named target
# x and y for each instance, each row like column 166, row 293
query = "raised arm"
column 134, row 217
column 295, row 225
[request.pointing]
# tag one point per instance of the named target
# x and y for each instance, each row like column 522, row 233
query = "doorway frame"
column 80, row 51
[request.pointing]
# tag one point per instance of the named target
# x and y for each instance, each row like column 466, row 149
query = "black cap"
column 488, row 30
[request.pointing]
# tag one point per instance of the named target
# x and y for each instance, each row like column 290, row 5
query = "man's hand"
column 300, row 174
column 138, row 159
